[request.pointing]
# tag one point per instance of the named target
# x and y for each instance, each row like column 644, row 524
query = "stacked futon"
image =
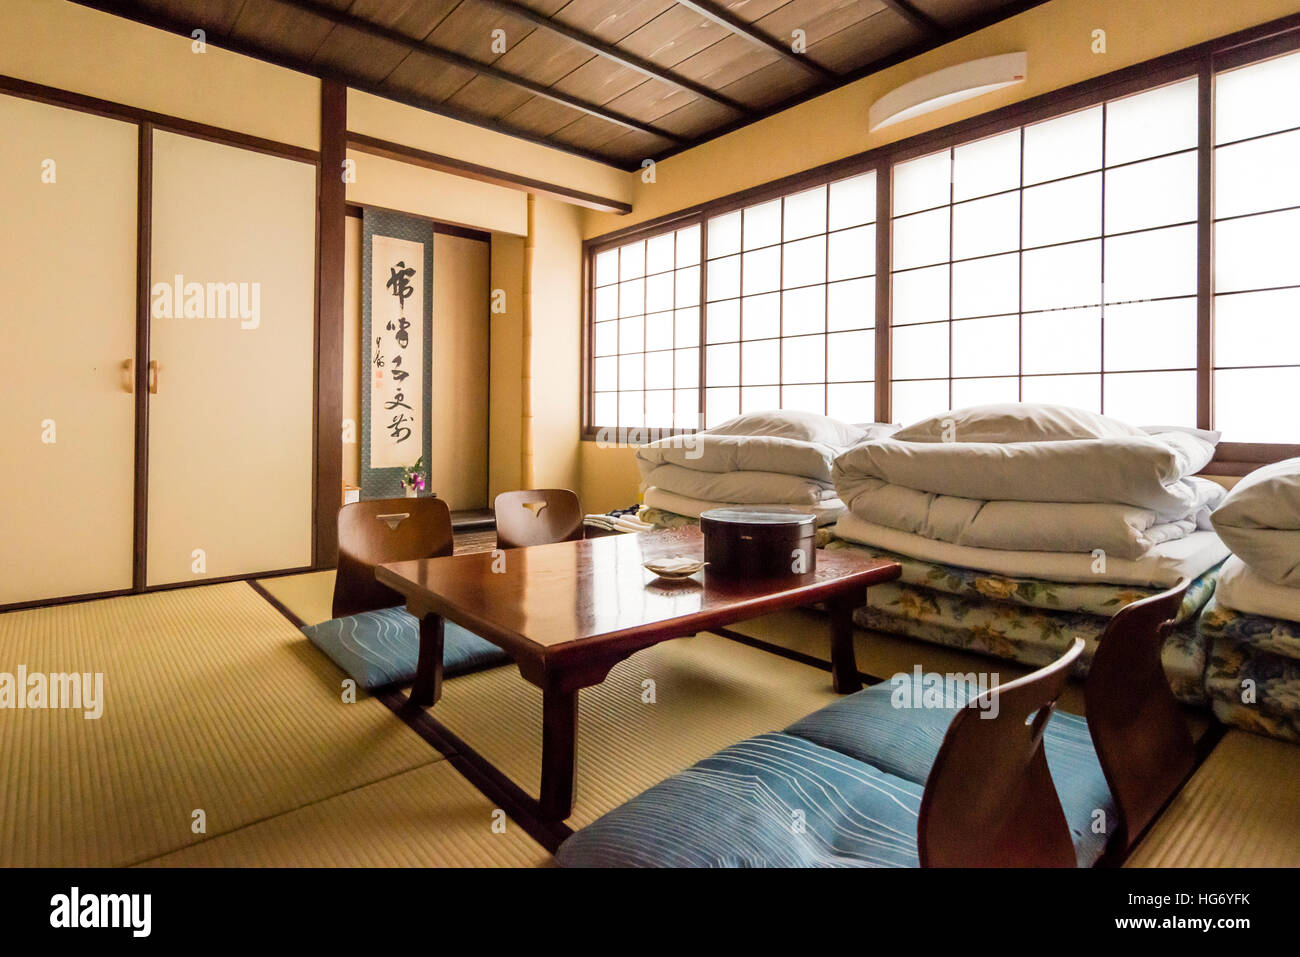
column 1254, row 620
column 779, row 458
column 1021, row 526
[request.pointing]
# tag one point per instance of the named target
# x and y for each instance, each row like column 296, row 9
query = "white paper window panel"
column 990, row 165
column 631, row 297
column 631, row 334
column 922, row 183
column 1061, row 276
column 805, row 214
column 851, row 253
column 1063, row 146
column 605, row 409
column 1079, row 391
column 1247, row 405
column 659, row 292
column 607, row 267
column 659, row 331
column 1148, row 124
column 606, row 338
column 660, row 253
column 659, row 370
column 1257, row 252
column 1164, row 398
column 1157, row 192
column 762, row 224
column 631, row 371
column 687, row 282
column 851, row 304
column 851, row 402
column 723, row 320
column 851, row 356
column 605, row 374
column 1063, row 212
column 968, row 392
column 723, row 280
column 686, row 323
column 631, row 260
column 922, row 238
column 913, row 401
column 686, row 368
column 760, row 362
column 724, row 235
column 1150, row 335
column 631, row 408
column 1068, row 340
column 803, row 262
column 688, row 246
column 722, row 364
column 803, row 359
column 804, row 398
column 659, row 409
column 760, row 316
column 921, row 352
column 986, row 347
column 920, row 295
column 721, row 405
column 1257, row 176
column 1256, row 99
column 686, row 409
column 986, row 287
column 606, row 303
column 986, row 226
column 1151, row 265
column 804, row 310
column 1257, row 328
column 760, row 398
column 852, row 201
column 762, row 270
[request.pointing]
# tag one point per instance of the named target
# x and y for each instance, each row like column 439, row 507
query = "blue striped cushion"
column 905, row 741
column 740, row 808
column 381, row 648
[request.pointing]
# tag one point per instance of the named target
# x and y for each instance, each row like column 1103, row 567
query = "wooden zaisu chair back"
column 537, row 517
column 385, row 530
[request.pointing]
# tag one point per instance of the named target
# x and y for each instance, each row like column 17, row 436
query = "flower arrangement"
column 413, row 478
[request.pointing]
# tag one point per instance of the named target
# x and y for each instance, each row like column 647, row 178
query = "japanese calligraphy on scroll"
column 396, row 370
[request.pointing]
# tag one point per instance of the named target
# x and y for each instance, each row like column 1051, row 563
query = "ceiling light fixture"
column 947, row 86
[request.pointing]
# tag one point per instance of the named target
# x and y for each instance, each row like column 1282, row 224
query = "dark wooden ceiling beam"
column 351, row 22
column 926, row 24
column 613, row 53
column 742, row 28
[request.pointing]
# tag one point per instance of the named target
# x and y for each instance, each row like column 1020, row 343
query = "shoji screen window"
column 791, row 304
column 1257, row 251
column 1052, row 263
column 646, row 333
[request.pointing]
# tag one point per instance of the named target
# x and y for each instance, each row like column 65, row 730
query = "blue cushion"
column 905, row 742
column 380, row 648
column 740, row 808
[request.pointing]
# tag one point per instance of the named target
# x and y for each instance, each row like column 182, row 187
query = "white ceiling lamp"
column 947, row 86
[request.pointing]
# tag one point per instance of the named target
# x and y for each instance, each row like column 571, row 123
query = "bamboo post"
column 526, row 477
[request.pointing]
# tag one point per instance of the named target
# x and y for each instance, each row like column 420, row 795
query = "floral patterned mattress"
column 1253, row 680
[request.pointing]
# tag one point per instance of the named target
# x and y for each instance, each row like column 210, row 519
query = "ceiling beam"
column 926, row 24
column 617, row 55
column 742, row 28
column 351, row 22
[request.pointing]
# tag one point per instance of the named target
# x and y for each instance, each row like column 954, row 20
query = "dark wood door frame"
column 331, row 215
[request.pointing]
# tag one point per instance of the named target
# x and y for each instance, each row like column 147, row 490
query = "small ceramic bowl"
column 674, row 567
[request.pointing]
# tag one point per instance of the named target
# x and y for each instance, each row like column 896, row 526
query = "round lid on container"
column 758, row 515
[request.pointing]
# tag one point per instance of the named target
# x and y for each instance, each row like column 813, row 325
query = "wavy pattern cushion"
column 381, row 648
column 905, row 741
column 738, row 809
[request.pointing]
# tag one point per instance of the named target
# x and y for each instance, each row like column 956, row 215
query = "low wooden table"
column 567, row 613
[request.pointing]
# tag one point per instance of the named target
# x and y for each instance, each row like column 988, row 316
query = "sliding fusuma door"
column 232, row 314
column 67, row 336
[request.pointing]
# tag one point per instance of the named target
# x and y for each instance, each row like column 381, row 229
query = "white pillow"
column 790, row 424
column 1260, row 521
column 1015, row 422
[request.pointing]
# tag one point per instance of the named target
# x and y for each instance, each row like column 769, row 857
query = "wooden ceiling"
column 615, row 80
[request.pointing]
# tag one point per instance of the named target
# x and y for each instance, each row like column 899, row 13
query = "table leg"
column 559, row 752
column 427, row 688
column 844, row 663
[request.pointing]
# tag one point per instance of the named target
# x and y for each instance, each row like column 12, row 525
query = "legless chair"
column 537, row 517
column 385, row 530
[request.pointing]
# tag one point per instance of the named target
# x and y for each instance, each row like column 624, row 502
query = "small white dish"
column 674, row 567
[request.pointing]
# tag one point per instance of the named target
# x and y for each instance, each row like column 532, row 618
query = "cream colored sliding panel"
column 67, row 329
column 232, row 331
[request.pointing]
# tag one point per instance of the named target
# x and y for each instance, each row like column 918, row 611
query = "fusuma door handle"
column 153, row 376
column 128, row 376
